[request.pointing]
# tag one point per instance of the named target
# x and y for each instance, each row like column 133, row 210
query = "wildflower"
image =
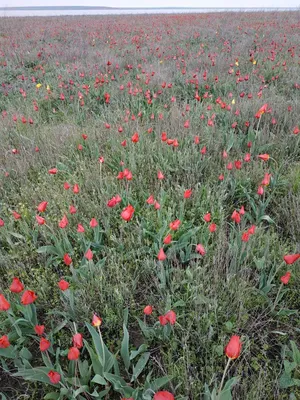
column 200, row 249
column 148, row 310
column 168, row 239
column 187, row 194
column 77, row 340
column 42, row 206
column 54, row 377
column 4, row 342
column 4, row 304
column 63, row 223
column 39, row 329
column 63, row 285
column 73, row 353
column 175, row 225
column 44, row 344
column 161, row 256
column 28, row 297
column 16, row 286
column 89, row 255
column 264, row 157
column 96, row 321
column 127, row 213
column 233, row 348
column 285, row 278
column 291, row 258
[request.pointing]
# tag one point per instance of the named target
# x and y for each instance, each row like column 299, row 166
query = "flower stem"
column 276, row 300
column 223, row 377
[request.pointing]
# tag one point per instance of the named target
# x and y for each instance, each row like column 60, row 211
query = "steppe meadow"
column 150, row 207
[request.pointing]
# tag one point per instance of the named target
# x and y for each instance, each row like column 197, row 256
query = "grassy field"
column 167, row 150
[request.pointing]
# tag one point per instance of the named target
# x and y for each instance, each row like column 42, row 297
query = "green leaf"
column 134, row 353
column 118, row 383
column 9, row 352
column 289, row 366
column 286, row 312
column 99, row 379
column 52, row 396
column 160, row 382
column 82, row 389
column 60, row 326
column 296, row 352
column 125, row 348
column 48, row 250
column 97, row 366
column 286, row 381
column 138, row 369
column 25, row 353
column 105, row 357
column 38, row 374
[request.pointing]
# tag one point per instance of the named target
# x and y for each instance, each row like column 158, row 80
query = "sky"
column 153, row 3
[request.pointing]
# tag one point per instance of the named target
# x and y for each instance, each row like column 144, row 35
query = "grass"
column 232, row 288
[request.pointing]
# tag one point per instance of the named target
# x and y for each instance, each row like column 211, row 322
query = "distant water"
column 55, row 12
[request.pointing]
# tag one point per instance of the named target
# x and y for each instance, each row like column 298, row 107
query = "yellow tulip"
column 38, row 85
column 233, row 101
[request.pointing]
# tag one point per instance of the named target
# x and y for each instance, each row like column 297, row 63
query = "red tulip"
column 162, row 320
column 236, row 217
column 164, row 395
column 264, row 157
column 28, row 297
column 39, row 329
column 266, row 180
column 171, row 317
column 53, row 171
column 67, row 259
column 1, row 222
column 207, row 217
column 285, row 278
column 187, row 194
column 63, row 285
column 233, row 348
column 160, row 175
column 200, row 249
column 93, row 223
column 16, row 286
column 260, row 191
column 80, row 228
column 66, row 186
column 4, row 304
column 168, row 239
column 135, row 137
column 291, row 258
column 262, row 111
column 73, row 353
column 44, row 344
column 63, row 223
column 251, row 230
column 175, row 225
column 150, row 200
column 89, row 255
column 16, row 215
column 245, row 236
column 42, row 206
column 4, row 342
column 54, row 377
column 40, row 220
column 77, row 340
column 148, row 310
column 97, row 321
column 127, row 213
column 161, row 255
column 212, row 228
